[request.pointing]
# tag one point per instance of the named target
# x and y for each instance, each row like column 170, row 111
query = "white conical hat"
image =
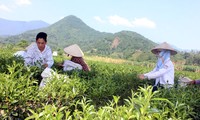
column 74, row 50
column 164, row 46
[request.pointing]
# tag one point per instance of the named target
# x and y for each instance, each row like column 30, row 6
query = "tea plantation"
column 110, row 91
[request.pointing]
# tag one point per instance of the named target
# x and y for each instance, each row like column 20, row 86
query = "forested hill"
column 71, row 30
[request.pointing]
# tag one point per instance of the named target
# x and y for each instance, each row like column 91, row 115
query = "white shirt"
column 164, row 75
column 69, row 65
column 35, row 57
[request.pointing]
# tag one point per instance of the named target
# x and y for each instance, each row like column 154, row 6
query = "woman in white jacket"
column 163, row 73
column 76, row 61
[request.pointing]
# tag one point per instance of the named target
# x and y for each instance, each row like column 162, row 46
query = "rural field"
column 110, row 91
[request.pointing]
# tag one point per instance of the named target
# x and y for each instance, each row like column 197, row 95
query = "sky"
column 176, row 22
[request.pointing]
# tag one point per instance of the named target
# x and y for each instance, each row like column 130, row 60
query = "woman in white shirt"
column 39, row 54
column 76, row 61
column 163, row 73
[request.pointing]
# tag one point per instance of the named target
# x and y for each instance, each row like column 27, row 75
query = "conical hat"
column 74, row 50
column 164, row 46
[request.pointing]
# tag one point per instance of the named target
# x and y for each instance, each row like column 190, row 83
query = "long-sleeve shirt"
column 164, row 75
column 34, row 57
column 80, row 60
column 68, row 65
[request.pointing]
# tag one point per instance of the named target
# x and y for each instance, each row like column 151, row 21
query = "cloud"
column 143, row 22
column 117, row 20
column 137, row 22
column 23, row 2
column 4, row 8
column 13, row 4
column 99, row 19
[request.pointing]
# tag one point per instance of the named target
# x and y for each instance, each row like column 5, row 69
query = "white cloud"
column 117, row 20
column 137, row 22
column 10, row 5
column 4, row 8
column 99, row 19
column 23, row 2
column 143, row 22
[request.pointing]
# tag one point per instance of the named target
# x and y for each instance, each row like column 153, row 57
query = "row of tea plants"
column 108, row 91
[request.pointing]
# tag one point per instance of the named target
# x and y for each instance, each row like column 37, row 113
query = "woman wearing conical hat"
column 163, row 73
column 76, row 61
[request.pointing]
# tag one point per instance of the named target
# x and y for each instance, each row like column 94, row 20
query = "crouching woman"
column 76, row 61
column 163, row 73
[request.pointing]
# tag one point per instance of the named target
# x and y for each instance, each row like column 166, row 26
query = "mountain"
column 72, row 30
column 9, row 27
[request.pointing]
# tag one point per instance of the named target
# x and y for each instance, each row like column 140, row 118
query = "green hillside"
column 72, row 30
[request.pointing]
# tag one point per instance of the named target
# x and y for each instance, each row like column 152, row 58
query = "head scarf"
column 164, row 55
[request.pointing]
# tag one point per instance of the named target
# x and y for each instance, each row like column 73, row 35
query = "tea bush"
column 108, row 91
